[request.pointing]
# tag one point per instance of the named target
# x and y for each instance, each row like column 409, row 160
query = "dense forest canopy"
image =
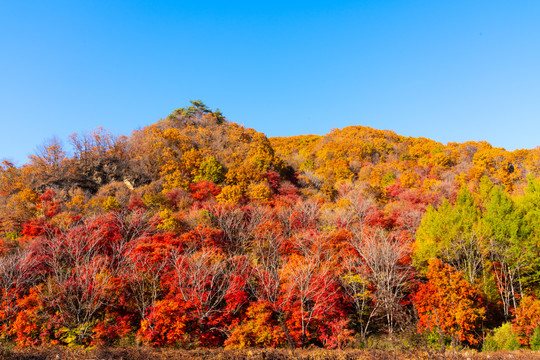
column 196, row 231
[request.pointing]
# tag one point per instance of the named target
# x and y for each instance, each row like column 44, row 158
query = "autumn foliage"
column 448, row 304
column 198, row 232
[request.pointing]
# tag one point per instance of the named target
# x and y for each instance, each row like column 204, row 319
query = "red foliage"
column 379, row 218
column 35, row 228
column 136, row 203
column 168, row 324
column 204, row 189
column 203, row 236
column 112, row 328
column 273, row 180
column 32, row 327
column 157, row 248
column 49, row 204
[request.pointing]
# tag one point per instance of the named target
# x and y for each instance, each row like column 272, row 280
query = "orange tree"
column 527, row 319
column 447, row 303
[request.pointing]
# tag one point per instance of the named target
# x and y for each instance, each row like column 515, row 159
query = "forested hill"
column 196, row 231
column 365, row 155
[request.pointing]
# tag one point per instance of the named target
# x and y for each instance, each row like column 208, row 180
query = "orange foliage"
column 196, row 231
column 259, row 328
column 167, row 324
column 449, row 304
column 527, row 318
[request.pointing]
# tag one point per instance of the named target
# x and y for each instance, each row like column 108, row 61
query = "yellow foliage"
column 11, row 178
column 341, row 171
column 23, row 203
column 27, row 196
column 191, row 161
column 94, row 205
column 168, row 221
column 230, row 194
column 176, row 180
column 441, row 159
column 153, row 200
column 476, row 173
column 111, row 204
column 329, row 191
column 461, row 180
column 62, row 220
column 422, row 147
column 430, row 183
column 261, row 154
column 298, row 150
column 410, row 179
column 242, row 176
column 77, row 204
column 380, row 176
column 259, row 192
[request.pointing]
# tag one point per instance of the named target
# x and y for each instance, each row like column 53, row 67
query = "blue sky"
column 448, row 70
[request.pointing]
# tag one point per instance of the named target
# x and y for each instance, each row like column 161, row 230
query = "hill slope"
column 196, row 231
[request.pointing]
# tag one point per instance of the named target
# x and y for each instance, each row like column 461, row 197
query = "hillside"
column 197, row 232
column 364, row 154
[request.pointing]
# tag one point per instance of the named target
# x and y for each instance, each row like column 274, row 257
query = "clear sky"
column 449, row 70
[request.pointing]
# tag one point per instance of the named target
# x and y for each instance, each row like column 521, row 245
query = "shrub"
column 535, row 339
column 503, row 338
